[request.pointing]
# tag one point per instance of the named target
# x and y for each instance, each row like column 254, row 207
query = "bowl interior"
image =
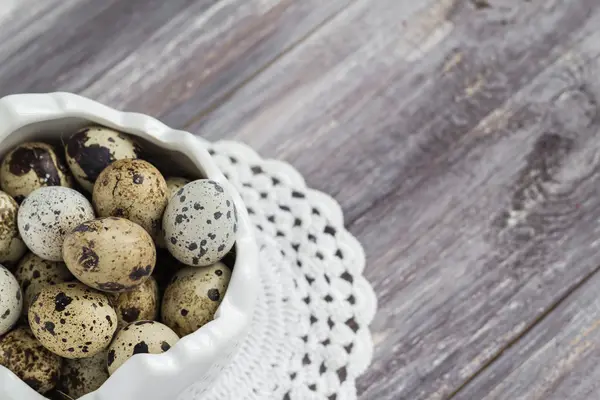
column 169, row 162
column 57, row 131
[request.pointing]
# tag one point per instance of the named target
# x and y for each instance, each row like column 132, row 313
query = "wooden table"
column 460, row 136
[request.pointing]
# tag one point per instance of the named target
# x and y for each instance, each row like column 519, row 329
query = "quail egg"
column 132, row 189
column 33, row 273
column 193, row 296
column 91, row 150
column 175, row 183
column 141, row 303
column 30, row 166
column 200, row 223
column 79, row 377
column 110, row 254
column 72, row 320
column 11, row 300
column 47, row 215
column 12, row 247
column 25, row 356
column 138, row 338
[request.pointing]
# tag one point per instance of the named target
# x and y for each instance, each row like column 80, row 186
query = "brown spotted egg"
column 200, row 223
column 30, row 166
column 12, row 247
column 72, row 320
column 142, row 337
column 11, row 300
column 110, row 254
column 25, row 356
column 47, row 215
column 141, row 303
column 193, row 296
column 33, row 273
column 91, row 150
column 79, row 377
column 132, row 189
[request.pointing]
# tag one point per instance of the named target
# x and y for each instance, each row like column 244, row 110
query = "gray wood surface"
column 459, row 136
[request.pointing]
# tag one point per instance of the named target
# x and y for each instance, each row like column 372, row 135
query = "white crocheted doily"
column 310, row 335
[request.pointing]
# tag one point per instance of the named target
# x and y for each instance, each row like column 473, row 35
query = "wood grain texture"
column 558, row 359
column 460, row 137
column 452, row 168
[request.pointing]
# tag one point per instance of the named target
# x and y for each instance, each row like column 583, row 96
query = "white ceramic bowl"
column 197, row 357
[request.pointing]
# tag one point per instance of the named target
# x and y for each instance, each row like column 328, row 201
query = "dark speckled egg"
column 30, row 166
column 110, row 254
column 193, row 296
column 142, row 337
column 200, row 223
column 82, row 376
column 25, row 356
column 11, row 300
column 12, row 247
column 91, row 150
column 132, row 189
column 72, row 320
column 33, row 273
column 141, row 303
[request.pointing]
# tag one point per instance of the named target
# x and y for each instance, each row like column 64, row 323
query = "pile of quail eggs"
column 102, row 257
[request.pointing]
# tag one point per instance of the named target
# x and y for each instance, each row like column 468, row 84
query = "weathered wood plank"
column 558, row 359
column 468, row 197
column 197, row 58
column 71, row 43
column 151, row 56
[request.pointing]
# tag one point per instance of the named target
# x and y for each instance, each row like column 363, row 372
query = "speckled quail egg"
column 110, row 254
column 72, row 320
column 11, row 300
column 25, row 356
column 141, row 303
column 193, row 296
column 30, row 166
column 79, row 377
column 12, row 247
column 132, row 189
column 91, row 150
column 200, row 223
column 138, row 338
column 33, row 273
column 47, row 215
column 175, row 183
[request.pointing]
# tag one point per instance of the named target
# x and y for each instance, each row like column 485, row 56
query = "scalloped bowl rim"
column 151, row 376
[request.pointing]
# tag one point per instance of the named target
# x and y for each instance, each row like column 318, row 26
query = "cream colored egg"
column 25, row 356
column 12, row 247
column 79, row 377
column 72, row 320
column 142, row 337
column 110, row 254
column 139, row 304
column 30, row 166
column 193, row 296
column 200, row 223
column 132, row 189
column 92, row 149
column 11, row 300
column 33, row 273
column 47, row 215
